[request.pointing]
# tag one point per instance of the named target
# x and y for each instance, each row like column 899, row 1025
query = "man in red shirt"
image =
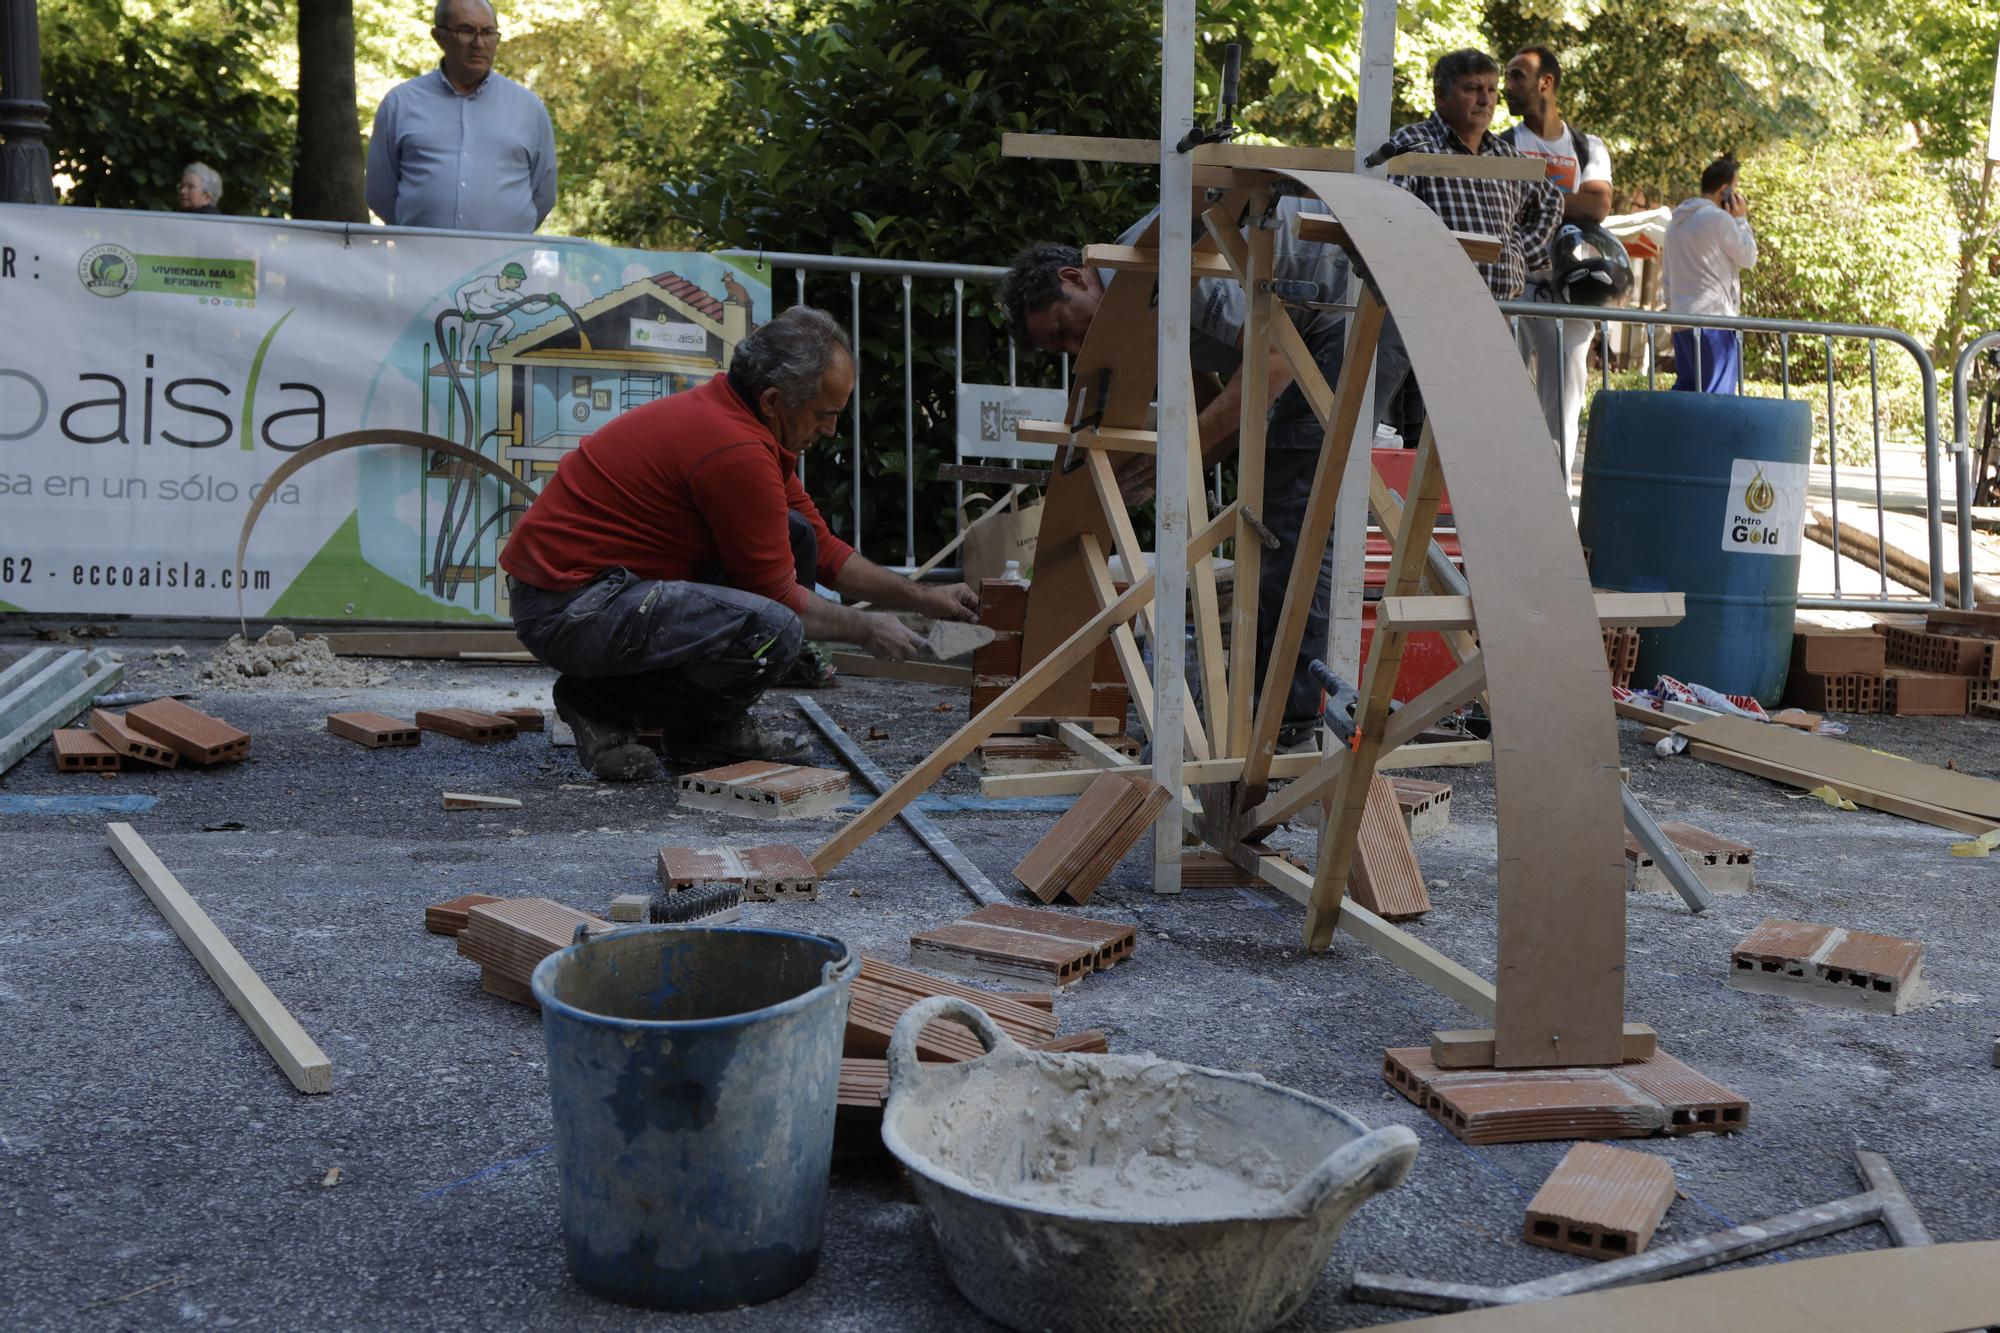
column 666, row 571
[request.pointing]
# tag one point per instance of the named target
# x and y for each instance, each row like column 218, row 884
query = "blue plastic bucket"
column 693, row 1073
column 1702, row 494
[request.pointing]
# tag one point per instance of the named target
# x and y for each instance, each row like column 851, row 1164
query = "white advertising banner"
column 157, row 367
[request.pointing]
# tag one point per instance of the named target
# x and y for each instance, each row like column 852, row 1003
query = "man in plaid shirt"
column 1522, row 214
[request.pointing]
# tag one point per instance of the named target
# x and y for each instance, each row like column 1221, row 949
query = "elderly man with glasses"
column 462, row 147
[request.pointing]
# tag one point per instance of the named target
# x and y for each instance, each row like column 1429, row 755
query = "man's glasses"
column 469, row 34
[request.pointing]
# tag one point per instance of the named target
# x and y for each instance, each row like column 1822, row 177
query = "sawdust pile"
column 282, row 660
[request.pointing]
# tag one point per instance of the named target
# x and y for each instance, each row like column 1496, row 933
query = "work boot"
column 813, row 669
column 743, row 737
column 609, row 753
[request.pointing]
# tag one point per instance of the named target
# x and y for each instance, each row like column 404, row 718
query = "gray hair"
column 791, row 354
column 441, row 12
column 205, row 177
column 1455, row 65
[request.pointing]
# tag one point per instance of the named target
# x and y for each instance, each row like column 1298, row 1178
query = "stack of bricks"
column 1657, row 1095
column 1621, row 652
column 1426, row 806
column 760, row 789
column 510, row 937
column 467, row 724
column 1090, row 839
column 1828, row 965
column 1932, row 670
column 776, row 872
column 1836, row 671
column 882, row 993
column 1003, row 608
column 164, row 732
column 1009, row 944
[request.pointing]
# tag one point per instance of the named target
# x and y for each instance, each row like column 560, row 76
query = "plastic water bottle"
column 1013, row 571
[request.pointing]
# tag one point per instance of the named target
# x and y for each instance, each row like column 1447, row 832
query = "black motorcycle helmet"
column 1588, row 265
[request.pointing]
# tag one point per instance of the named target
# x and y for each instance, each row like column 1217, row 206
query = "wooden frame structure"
column 1558, row 998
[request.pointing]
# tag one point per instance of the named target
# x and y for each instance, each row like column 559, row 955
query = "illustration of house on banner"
column 565, row 378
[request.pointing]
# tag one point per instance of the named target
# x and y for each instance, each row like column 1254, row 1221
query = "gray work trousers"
column 1292, row 444
column 685, row 657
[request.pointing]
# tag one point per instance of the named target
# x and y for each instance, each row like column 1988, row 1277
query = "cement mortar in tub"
column 1096, row 1193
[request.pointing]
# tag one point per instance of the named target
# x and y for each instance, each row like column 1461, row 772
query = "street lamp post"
column 24, row 117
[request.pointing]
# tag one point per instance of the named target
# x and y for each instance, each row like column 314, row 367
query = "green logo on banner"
column 112, row 270
column 177, row 275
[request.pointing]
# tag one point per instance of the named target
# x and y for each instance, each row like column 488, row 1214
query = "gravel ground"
column 160, row 1172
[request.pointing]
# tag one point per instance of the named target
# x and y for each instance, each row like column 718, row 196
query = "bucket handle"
column 903, row 1061
column 1365, row 1166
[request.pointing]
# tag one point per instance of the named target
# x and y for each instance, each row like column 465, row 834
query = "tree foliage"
column 873, row 128
column 1671, row 89
column 135, row 95
column 1849, row 231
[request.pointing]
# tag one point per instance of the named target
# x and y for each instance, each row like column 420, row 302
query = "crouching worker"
column 666, row 571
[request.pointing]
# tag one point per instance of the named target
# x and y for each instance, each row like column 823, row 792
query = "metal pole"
column 1176, row 429
column 909, row 438
column 24, row 117
column 1350, row 514
column 854, row 333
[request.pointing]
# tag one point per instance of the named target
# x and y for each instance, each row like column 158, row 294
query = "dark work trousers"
column 1291, row 455
column 681, row 656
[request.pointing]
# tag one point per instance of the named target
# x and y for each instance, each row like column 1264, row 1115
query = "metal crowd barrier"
column 1880, row 598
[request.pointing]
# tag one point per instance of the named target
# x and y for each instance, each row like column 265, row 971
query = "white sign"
column 1764, row 513
column 669, row 336
column 160, row 366
column 989, row 413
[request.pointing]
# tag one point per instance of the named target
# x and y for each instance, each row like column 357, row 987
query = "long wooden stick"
column 1314, row 530
column 1385, row 659
column 1138, row 680
column 296, row 1053
column 1079, row 645
column 1465, row 681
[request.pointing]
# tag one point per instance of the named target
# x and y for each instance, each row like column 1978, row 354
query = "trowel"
column 947, row 639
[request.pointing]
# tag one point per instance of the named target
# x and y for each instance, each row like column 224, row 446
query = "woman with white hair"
column 200, row 189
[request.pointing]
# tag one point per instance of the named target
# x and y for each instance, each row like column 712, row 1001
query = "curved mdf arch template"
column 1561, row 955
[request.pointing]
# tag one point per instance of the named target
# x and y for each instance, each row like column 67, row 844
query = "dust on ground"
column 283, row 660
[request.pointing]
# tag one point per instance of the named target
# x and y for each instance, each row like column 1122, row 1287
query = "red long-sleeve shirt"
column 674, row 490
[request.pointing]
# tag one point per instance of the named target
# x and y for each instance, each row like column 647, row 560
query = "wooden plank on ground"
column 1925, row 1289
column 296, row 1053
column 1838, row 762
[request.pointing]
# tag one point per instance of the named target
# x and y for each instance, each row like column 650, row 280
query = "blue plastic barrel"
column 1702, row 494
column 694, row 1072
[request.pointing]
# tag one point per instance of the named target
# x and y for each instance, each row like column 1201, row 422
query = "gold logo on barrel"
column 1759, row 495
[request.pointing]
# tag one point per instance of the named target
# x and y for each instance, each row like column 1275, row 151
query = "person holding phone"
column 1709, row 243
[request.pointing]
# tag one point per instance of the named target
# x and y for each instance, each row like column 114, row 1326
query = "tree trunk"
column 327, row 178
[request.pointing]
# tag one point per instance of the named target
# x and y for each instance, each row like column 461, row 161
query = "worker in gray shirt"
column 1051, row 298
column 462, row 147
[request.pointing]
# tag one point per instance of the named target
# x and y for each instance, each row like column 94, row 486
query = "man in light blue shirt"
column 461, row 147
